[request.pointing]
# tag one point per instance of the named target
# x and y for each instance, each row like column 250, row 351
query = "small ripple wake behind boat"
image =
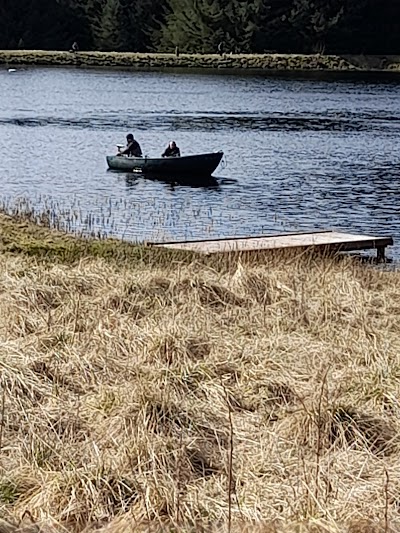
column 201, row 164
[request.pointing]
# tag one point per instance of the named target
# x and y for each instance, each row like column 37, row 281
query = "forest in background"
column 198, row 26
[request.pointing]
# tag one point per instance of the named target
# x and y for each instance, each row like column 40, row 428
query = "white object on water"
column 12, row 70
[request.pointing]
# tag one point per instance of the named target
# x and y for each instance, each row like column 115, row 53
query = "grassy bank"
column 150, row 393
column 272, row 62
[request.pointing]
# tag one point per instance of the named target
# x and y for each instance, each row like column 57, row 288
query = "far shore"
column 240, row 62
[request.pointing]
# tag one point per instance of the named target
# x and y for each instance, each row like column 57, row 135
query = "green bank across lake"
column 271, row 62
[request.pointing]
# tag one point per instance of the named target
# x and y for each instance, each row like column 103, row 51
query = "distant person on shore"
column 132, row 147
column 172, row 150
column 221, row 48
column 74, row 47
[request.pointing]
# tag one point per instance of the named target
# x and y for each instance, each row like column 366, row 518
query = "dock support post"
column 380, row 254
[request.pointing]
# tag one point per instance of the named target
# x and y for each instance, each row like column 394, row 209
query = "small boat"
column 193, row 165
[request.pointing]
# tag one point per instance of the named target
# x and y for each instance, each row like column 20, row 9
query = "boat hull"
column 190, row 165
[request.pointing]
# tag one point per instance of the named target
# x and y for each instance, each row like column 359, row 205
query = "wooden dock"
column 332, row 241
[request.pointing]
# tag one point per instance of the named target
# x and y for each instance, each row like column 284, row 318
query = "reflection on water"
column 203, row 182
column 302, row 154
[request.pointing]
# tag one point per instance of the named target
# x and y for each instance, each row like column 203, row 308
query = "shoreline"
column 226, row 62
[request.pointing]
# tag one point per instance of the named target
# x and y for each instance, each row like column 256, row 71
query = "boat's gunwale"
column 163, row 159
column 195, row 164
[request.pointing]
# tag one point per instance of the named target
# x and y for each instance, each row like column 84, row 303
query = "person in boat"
column 132, row 147
column 172, row 150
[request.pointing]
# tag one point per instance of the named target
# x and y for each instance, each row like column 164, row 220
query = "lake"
column 301, row 154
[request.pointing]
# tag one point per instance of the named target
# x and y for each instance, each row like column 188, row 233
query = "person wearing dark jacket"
column 172, row 150
column 132, row 147
column 74, row 47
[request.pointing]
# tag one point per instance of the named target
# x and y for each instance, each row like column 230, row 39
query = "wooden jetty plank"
column 323, row 239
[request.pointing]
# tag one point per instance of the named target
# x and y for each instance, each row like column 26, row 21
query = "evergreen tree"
column 337, row 26
column 368, row 27
column 38, row 24
column 200, row 25
column 120, row 25
column 240, row 24
column 313, row 20
column 189, row 27
column 106, row 24
column 274, row 31
column 139, row 23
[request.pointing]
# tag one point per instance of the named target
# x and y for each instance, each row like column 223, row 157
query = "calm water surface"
column 300, row 154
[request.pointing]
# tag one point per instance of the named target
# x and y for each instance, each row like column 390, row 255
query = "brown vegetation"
column 257, row 62
column 195, row 396
column 272, row 62
column 267, row 62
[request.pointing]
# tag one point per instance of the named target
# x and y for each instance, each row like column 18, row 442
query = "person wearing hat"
column 132, row 147
column 172, row 150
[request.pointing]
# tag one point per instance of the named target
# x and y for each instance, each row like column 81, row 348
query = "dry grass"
column 269, row 61
column 214, row 61
column 126, row 389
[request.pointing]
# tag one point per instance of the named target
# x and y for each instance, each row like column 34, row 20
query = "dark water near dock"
column 301, row 154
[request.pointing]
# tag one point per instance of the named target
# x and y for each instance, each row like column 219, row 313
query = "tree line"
column 199, row 26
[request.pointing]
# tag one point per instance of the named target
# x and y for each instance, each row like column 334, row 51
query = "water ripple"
column 302, row 154
column 219, row 122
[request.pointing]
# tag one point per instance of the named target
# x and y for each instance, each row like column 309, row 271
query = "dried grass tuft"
column 131, row 395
